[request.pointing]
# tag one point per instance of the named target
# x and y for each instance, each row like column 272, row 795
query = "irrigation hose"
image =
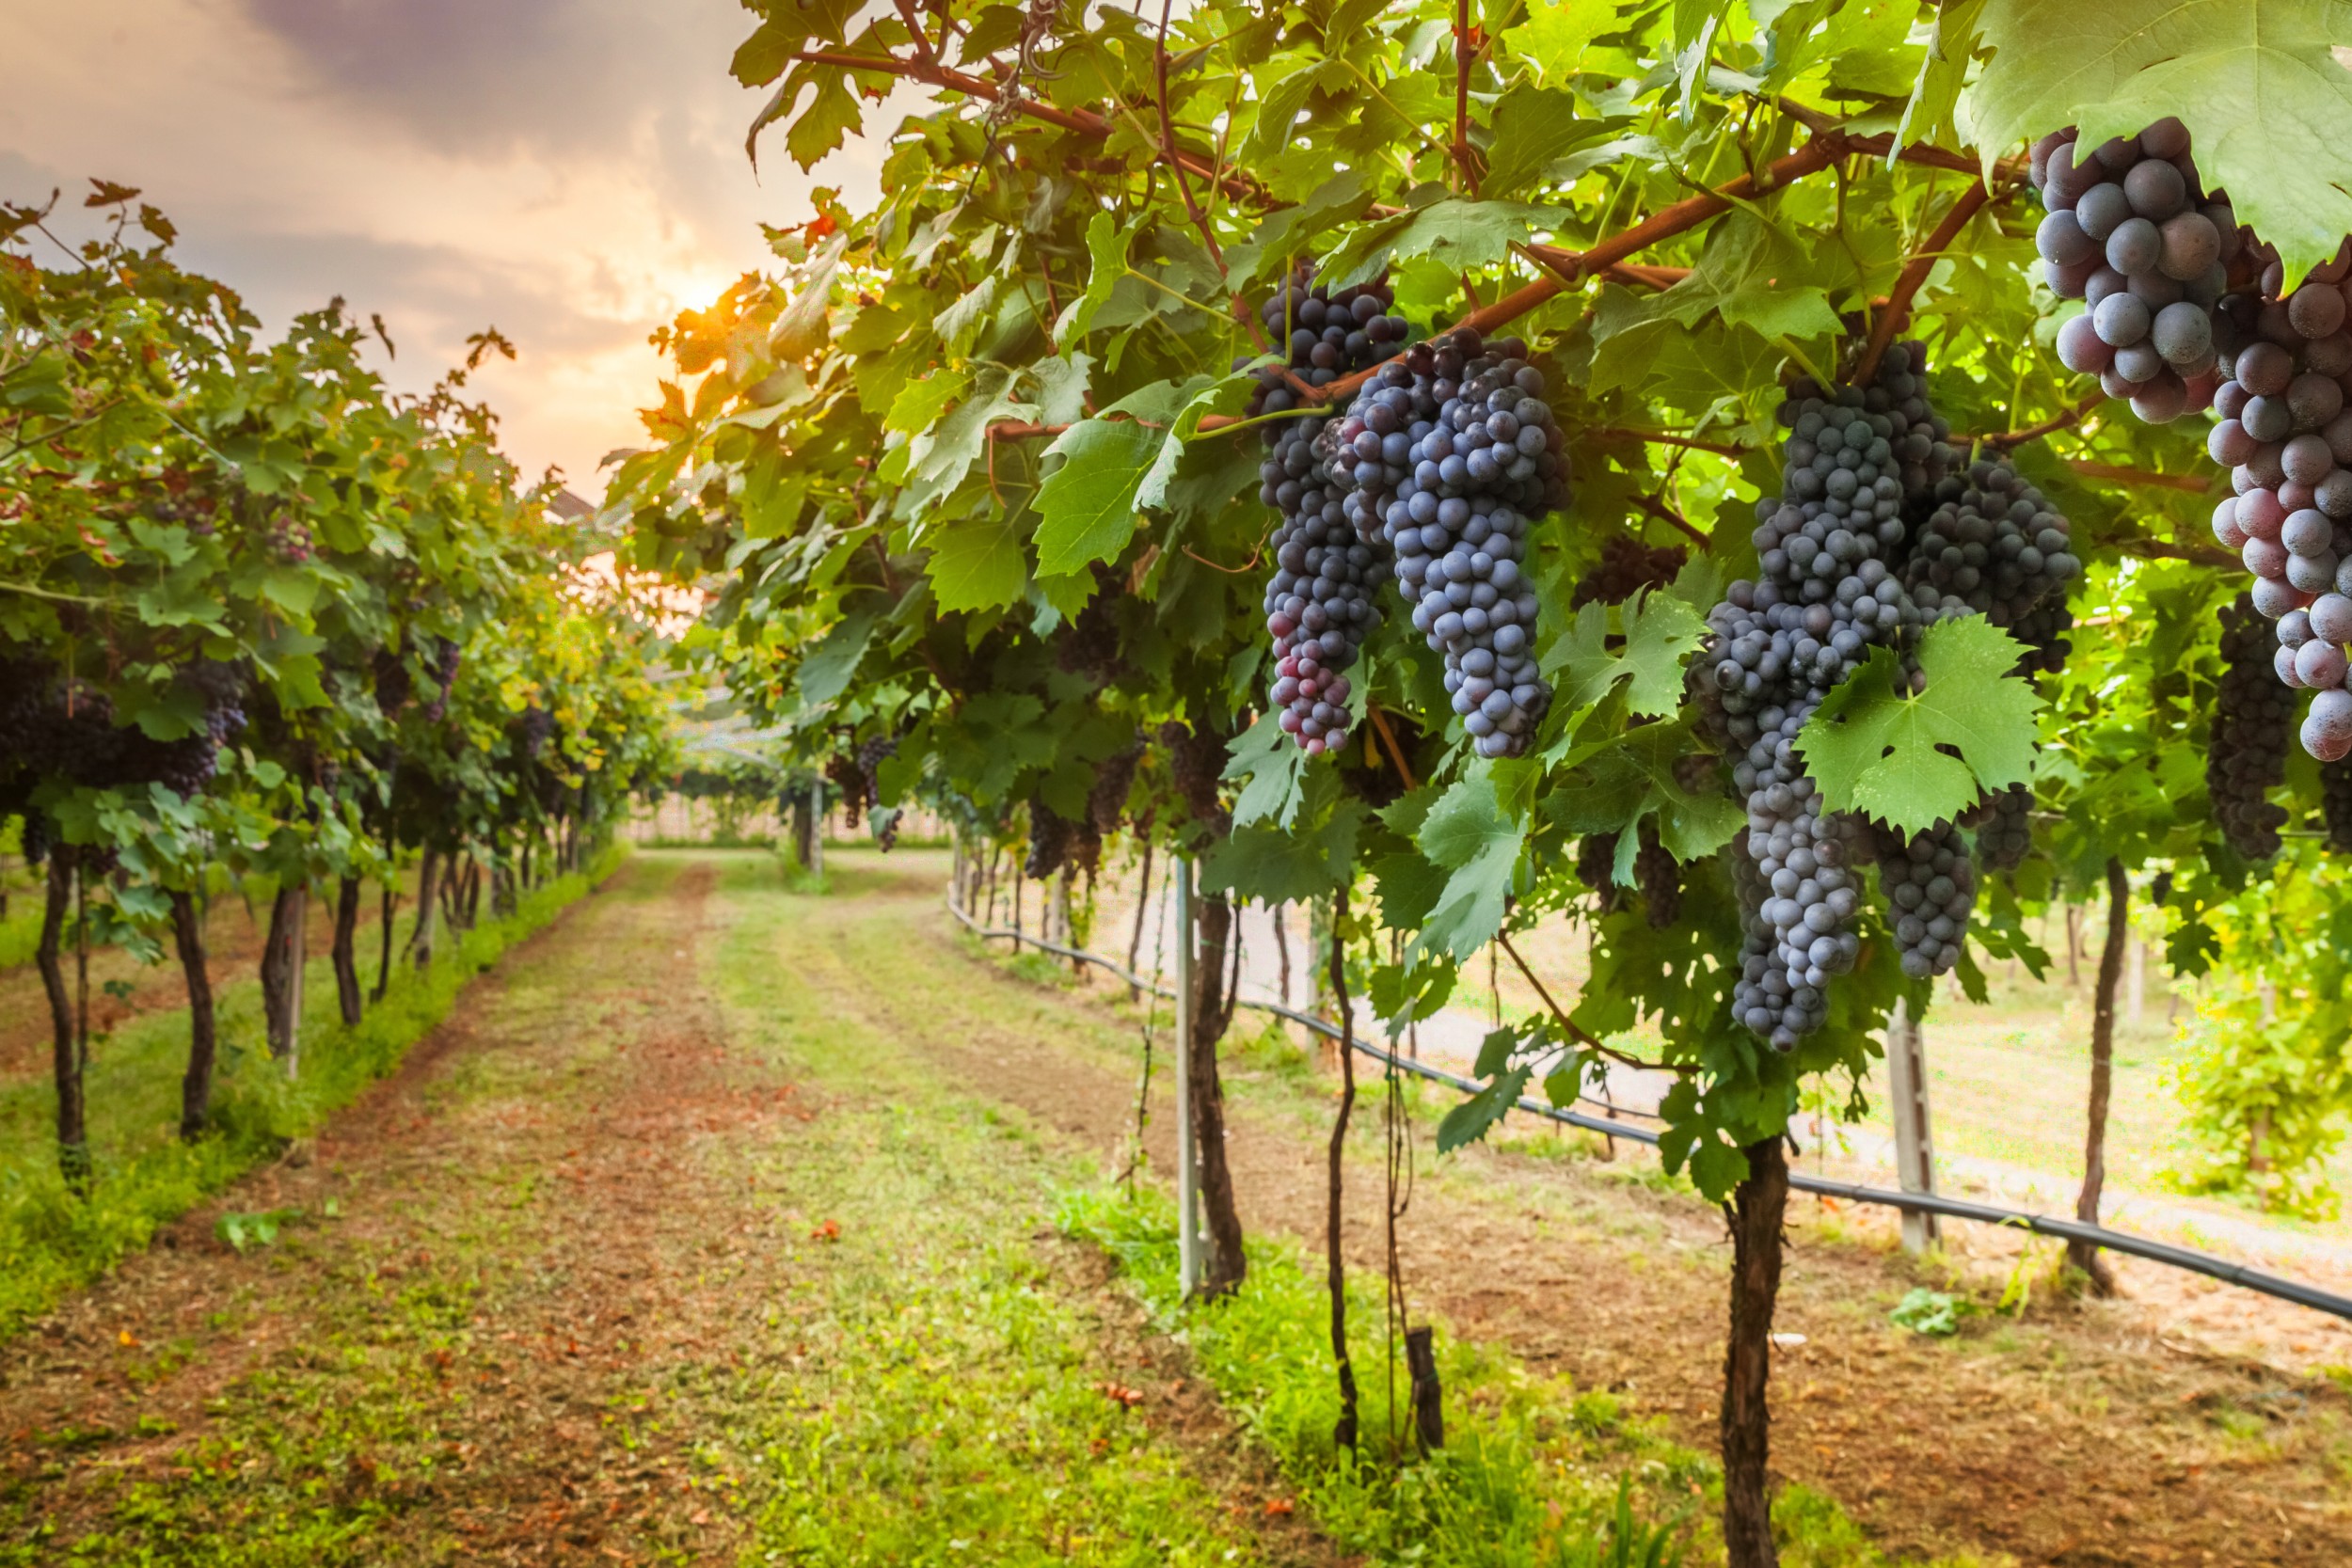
column 1852, row 1192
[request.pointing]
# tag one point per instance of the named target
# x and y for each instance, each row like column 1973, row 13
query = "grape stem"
column 1583, row 1036
column 2188, row 483
column 1463, row 56
column 1167, row 146
column 1083, row 121
column 1666, row 439
column 1890, row 317
column 2064, row 419
column 1388, row 738
column 1665, row 514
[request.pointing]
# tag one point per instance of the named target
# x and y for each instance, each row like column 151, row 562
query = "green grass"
column 20, row 933
column 949, row 1406
column 52, row 1242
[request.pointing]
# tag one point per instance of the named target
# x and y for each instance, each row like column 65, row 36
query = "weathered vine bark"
column 65, row 1042
column 346, row 950
column 196, row 1088
column 1280, row 916
column 282, row 971
column 384, row 943
column 1335, row 1273
column 420, row 942
column 1211, row 1013
column 1420, row 1359
column 2082, row 1254
column 1134, row 941
column 1755, row 1213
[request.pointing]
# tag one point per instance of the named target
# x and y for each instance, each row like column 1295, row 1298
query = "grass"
column 20, row 933
column 52, row 1242
column 951, row 1406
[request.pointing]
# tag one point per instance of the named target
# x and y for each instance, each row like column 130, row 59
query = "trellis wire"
column 1852, row 1192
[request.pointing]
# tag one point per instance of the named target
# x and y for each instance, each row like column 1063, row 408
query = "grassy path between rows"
column 725, row 1223
column 653, row 1254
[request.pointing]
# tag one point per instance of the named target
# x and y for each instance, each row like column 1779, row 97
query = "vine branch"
column 1889, row 318
column 1576, row 1030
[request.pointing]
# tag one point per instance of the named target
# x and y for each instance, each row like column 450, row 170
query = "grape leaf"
column 1264, row 755
column 1107, row 250
column 1266, row 864
column 1661, row 631
column 1880, row 752
column 2259, row 85
column 1470, row 1120
column 1089, row 503
column 1533, row 129
column 977, row 562
column 1467, row 834
column 1461, row 234
column 1555, row 35
column 825, row 672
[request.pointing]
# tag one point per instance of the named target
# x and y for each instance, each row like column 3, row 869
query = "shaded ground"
column 2077, row 1435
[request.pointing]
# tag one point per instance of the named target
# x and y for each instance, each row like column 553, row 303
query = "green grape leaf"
column 1265, row 862
column 1661, row 632
column 977, row 562
column 2259, row 84
column 1556, row 34
column 1274, row 767
column 1468, row 834
column 1107, row 250
column 1881, row 753
column 825, row 674
column 1461, row 234
column 1534, row 128
column 1472, row 1119
column 1088, row 504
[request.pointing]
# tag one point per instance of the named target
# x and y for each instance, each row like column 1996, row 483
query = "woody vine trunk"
column 2082, row 1254
column 1343, row 1433
column 1212, row 1011
column 64, row 1046
column 345, row 955
column 281, row 969
column 196, row 1088
column 1758, row 1208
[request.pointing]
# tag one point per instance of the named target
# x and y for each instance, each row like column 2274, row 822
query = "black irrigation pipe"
column 1931, row 1203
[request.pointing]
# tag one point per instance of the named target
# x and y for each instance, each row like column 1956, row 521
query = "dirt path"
column 619, row 1267
column 2076, row 1436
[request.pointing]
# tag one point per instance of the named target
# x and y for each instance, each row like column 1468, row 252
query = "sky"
column 570, row 171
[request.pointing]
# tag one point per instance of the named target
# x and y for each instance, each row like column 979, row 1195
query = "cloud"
column 481, row 78
column 569, row 170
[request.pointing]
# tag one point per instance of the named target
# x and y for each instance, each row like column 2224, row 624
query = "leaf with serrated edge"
column 2257, row 82
column 1089, row 503
column 1872, row 750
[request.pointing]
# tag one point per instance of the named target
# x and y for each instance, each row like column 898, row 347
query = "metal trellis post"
column 1188, row 1151
column 1907, row 1098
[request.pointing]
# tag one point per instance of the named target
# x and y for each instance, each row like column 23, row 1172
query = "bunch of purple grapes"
column 289, row 540
column 54, row 727
column 1319, row 601
column 2130, row 229
column 1453, row 454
